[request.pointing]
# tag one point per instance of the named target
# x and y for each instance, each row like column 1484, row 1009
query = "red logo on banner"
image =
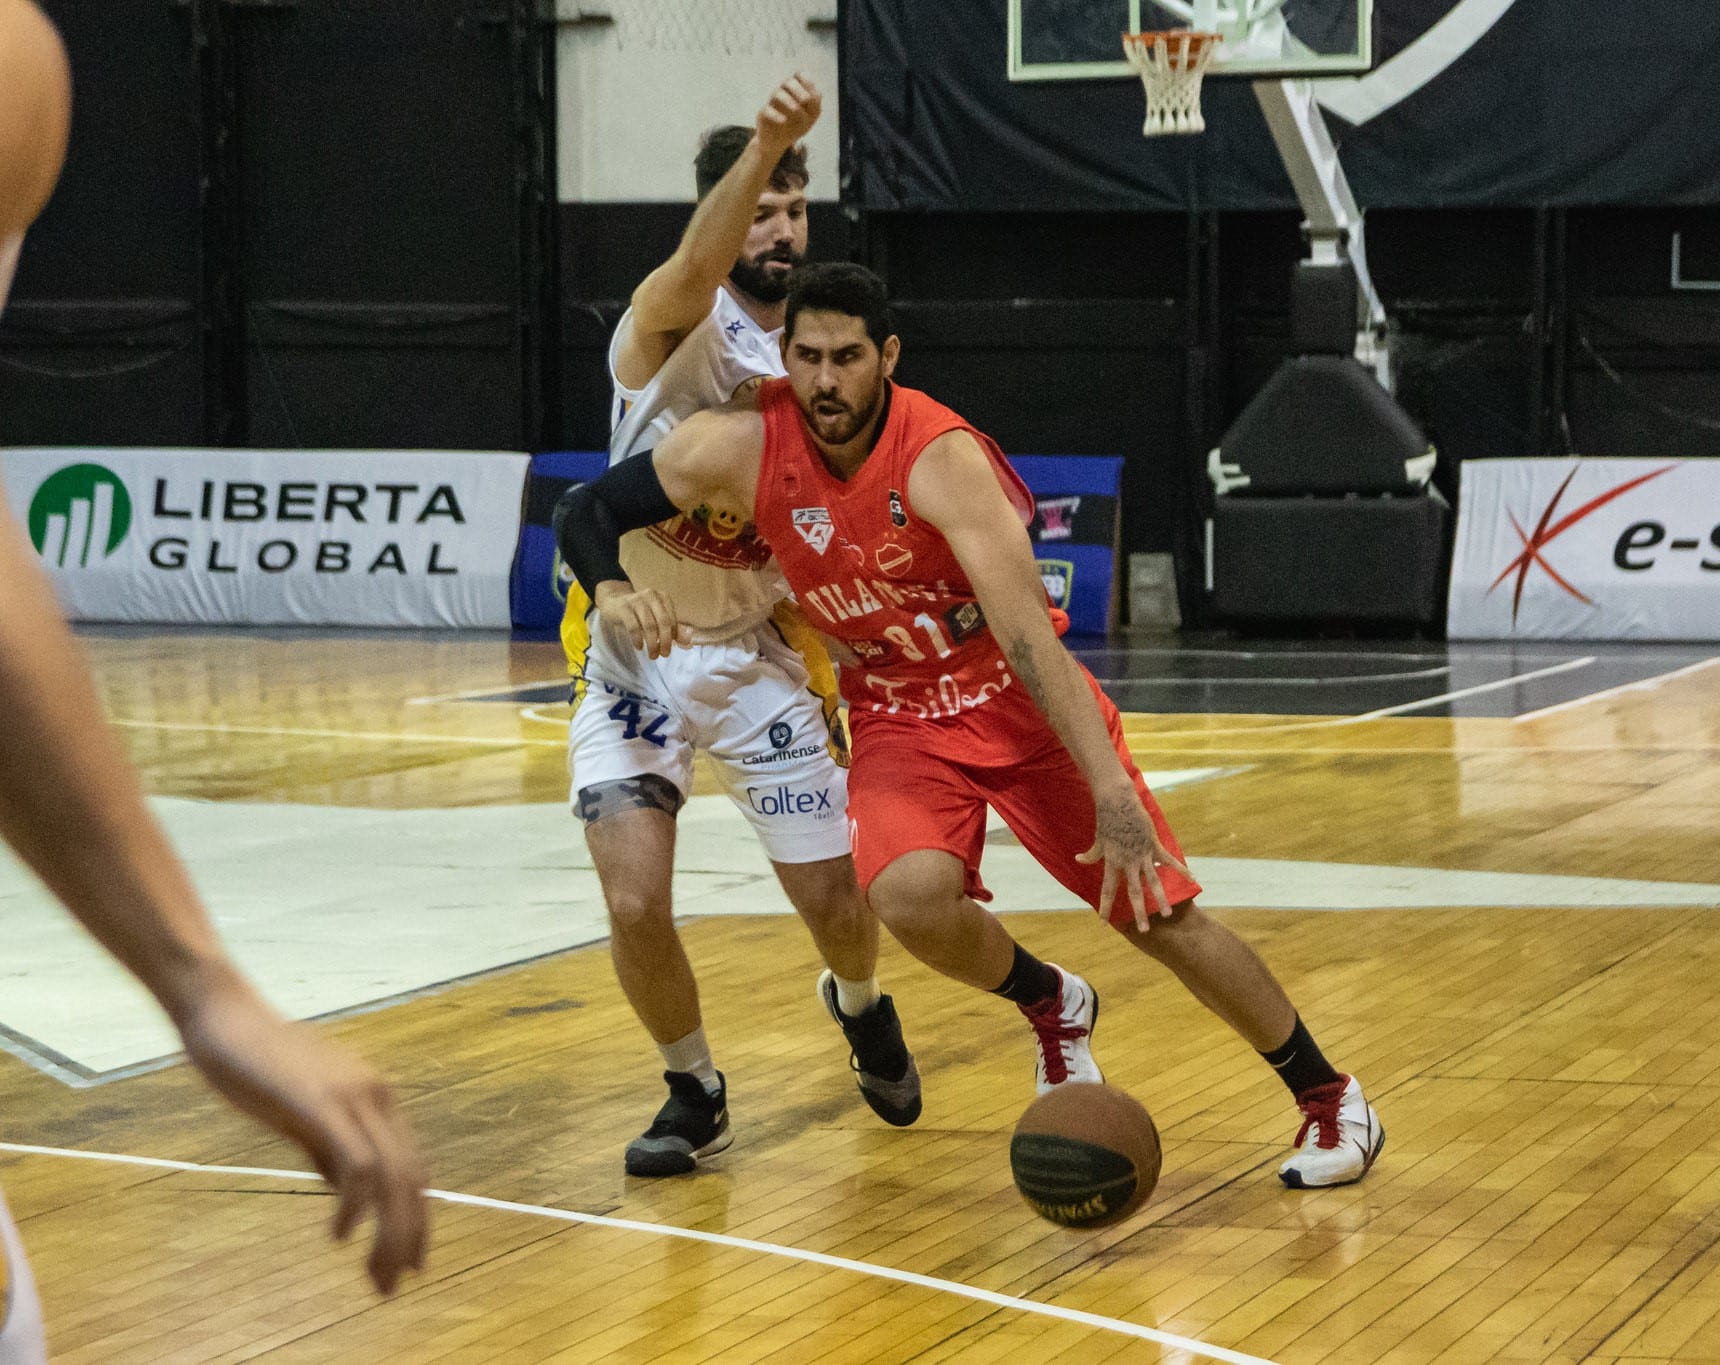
column 1057, row 517
column 1546, row 533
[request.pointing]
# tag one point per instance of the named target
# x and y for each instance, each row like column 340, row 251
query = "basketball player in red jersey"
column 902, row 531
column 70, row 806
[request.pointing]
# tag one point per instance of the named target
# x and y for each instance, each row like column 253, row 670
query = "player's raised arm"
column 675, row 297
column 954, row 487
column 710, row 460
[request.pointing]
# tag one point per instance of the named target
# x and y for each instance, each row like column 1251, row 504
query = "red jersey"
column 867, row 571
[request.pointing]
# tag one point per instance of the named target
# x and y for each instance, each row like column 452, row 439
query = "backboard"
column 1082, row 39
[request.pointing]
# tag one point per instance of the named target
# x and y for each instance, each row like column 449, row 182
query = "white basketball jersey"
column 719, row 574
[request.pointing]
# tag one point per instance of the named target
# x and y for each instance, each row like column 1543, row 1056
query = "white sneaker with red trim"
column 1063, row 1028
column 1339, row 1138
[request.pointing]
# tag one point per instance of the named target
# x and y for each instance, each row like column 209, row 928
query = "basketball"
column 1085, row 1155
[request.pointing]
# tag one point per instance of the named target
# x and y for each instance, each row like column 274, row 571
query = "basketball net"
column 1171, row 64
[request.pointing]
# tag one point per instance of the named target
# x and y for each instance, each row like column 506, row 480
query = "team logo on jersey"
column 965, row 620
column 815, row 527
column 734, row 328
column 894, row 559
column 898, row 513
column 780, row 734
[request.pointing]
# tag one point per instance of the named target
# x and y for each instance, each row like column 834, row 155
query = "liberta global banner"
column 1587, row 549
column 254, row 537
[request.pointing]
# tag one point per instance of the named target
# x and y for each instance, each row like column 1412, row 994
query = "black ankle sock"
column 1030, row 981
column 1299, row 1063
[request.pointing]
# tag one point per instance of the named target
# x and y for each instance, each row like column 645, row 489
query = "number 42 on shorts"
column 627, row 711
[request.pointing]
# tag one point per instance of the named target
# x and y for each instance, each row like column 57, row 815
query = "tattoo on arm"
column 1019, row 652
column 1120, row 819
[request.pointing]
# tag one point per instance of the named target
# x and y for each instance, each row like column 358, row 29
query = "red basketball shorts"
column 918, row 784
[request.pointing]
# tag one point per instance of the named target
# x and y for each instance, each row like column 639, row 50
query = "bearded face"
column 775, row 244
column 765, row 276
column 837, row 373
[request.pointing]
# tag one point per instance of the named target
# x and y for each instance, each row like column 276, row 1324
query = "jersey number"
column 628, row 711
column 898, row 635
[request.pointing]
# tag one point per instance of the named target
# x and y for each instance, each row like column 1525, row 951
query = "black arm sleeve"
column 590, row 519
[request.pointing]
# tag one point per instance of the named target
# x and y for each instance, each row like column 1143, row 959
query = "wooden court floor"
column 1549, row 1079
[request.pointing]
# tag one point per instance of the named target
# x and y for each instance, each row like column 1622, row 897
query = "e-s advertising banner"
column 1587, row 549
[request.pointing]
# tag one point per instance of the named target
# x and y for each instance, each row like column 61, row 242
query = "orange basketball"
column 1085, row 1155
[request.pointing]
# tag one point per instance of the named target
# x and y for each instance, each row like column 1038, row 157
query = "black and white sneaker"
column 690, row 1126
column 883, row 1066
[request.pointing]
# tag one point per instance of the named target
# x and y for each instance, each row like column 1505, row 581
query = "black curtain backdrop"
column 1561, row 102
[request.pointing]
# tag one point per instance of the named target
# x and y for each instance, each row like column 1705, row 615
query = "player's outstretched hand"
column 789, row 114
column 648, row 616
column 1126, row 842
column 326, row 1101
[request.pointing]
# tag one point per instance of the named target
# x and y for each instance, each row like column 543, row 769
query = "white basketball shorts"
column 746, row 702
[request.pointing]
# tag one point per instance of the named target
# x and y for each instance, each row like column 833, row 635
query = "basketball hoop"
column 1171, row 64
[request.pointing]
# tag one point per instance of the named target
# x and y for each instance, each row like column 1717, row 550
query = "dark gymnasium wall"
column 300, row 223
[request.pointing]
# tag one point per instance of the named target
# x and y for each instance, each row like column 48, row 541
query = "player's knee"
column 35, row 113
column 640, row 909
column 1171, row 936
column 917, row 891
column 824, row 891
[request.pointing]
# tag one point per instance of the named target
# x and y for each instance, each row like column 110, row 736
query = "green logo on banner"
column 79, row 516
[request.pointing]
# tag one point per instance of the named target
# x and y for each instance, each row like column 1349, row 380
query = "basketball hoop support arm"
column 1332, row 219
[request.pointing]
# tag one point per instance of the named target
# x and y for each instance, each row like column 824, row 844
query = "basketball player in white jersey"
column 70, row 806
column 703, row 327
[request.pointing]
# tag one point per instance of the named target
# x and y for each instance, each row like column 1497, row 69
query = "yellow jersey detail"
column 803, row 638
column 576, row 636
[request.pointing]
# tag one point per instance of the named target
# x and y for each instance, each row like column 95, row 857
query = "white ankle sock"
column 854, row 998
column 692, row 1054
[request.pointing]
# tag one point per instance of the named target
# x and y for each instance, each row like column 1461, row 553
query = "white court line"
column 1457, row 750
column 882, row 1272
column 1640, row 685
column 1400, row 709
column 1274, row 682
column 160, row 1163
column 1525, row 655
column 384, row 736
column 563, row 681
column 1195, row 749
column 1178, row 652
column 303, row 733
